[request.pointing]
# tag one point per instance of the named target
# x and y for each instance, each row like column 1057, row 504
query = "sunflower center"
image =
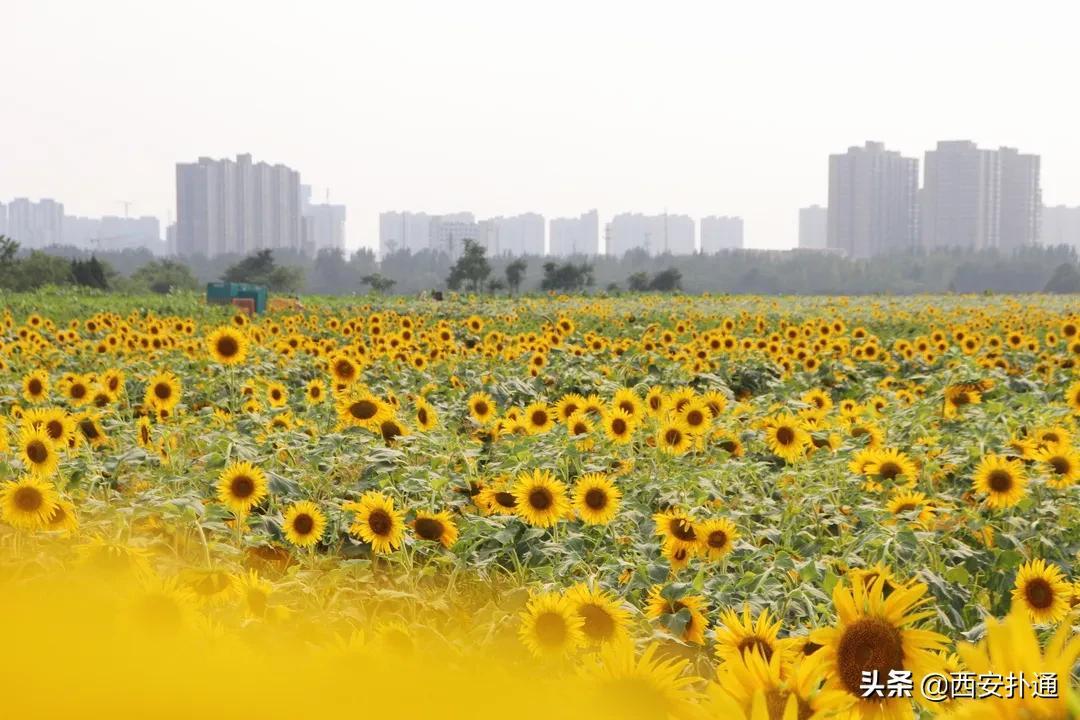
column 905, row 507
column 505, row 499
column 379, row 522
column 89, row 429
column 596, row 499
column 1039, row 594
column 618, row 426
column 695, row 418
column 539, row 418
column 1060, row 464
column 718, row 539
column 627, row 407
column 303, row 524
column 78, row 391
column 55, row 429
column 598, row 623
column 785, row 435
column 889, row 469
column 162, row 391
column 481, row 408
column 962, row 398
column 34, row 386
column 728, row 446
column 390, row 430
column 1000, row 480
column 672, row 437
column 753, row 642
column 429, row 528
column 28, row 499
column 540, row 499
column 867, row 645
column 422, row 416
column 683, row 530
column 242, row 487
column 37, row 452
column 227, row 346
column 363, row 409
column 550, row 629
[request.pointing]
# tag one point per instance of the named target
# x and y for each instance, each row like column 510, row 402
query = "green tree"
column 638, row 282
column 379, row 284
column 164, row 276
column 471, row 269
column 567, row 277
column 260, row 269
column 1065, row 280
column 515, row 273
column 89, row 273
column 667, row 280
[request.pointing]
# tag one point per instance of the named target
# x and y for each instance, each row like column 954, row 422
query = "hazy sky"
column 504, row 107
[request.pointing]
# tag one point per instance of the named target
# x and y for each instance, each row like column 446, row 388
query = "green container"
column 222, row 293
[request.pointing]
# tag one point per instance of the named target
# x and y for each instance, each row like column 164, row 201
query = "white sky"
column 503, row 107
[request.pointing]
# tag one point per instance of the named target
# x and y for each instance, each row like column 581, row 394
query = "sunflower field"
column 599, row 507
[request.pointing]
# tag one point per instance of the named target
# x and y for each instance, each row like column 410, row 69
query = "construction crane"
column 127, row 206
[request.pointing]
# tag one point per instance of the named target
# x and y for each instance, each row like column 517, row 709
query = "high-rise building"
column 872, row 201
column 1060, row 226
column 113, row 233
column 238, row 207
column 575, row 236
column 3, row 220
column 721, row 233
column 515, row 235
column 813, row 224
column 656, row 234
column 35, row 224
column 324, row 224
column 448, row 233
column 403, row 231
column 979, row 199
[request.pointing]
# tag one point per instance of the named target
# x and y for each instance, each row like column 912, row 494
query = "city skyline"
column 636, row 110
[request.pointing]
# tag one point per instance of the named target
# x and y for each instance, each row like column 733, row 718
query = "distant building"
column 403, row 231
column 656, row 234
column 979, row 199
column 170, row 239
column 813, row 224
column 1061, row 226
column 872, row 201
column 35, row 225
column 448, row 233
column 238, row 207
column 575, row 236
column 721, row 233
column 324, row 224
column 515, row 235
column 3, row 219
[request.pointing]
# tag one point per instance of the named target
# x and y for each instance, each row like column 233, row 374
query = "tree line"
column 334, row 272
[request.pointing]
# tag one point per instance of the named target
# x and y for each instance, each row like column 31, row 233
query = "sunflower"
column 358, row 407
column 890, row 464
column 1063, row 465
column 435, row 527
column 304, row 523
column 227, row 346
column 750, row 687
column 163, row 391
column 908, row 501
column 568, row 406
column 538, row 418
column 143, row 433
column 63, row 517
column 676, row 526
column 786, row 437
column 35, row 386
column 28, row 502
column 391, row 430
column 540, row 499
column 674, row 436
column 377, row 522
column 57, row 424
column 738, row 635
column 677, row 554
column 1072, row 397
column 627, row 400
column 90, row 429
column 618, row 426
column 596, row 499
column 716, row 538
column 656, row 402
column 1011, row 648
column 1042, row 591
column 681, row 613
column 654, row 685
column 77, row 390
column 550, row 626
column 481, row 407
column 874, row 633
column 495, row 498
column 241, row 486
column 604, row 619
column 960, row 396
column 426, row 417
column 344, row 369
column 696, row 415
column 729, row 442
column 315, row 392
column 38, row 452
column 277, row 395
column 1001, row 479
